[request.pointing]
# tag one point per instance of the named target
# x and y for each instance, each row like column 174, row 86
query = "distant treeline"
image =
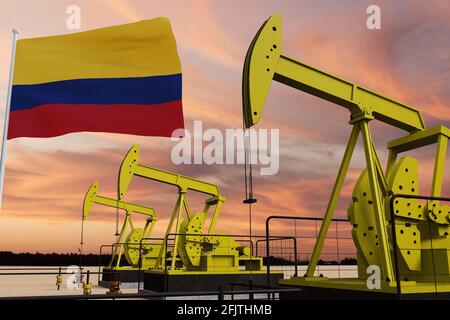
column 8, row 258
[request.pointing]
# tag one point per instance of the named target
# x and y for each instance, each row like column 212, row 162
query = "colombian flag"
column 122, row 79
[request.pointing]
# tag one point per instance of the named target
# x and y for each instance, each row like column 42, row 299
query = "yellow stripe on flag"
column 141, row 49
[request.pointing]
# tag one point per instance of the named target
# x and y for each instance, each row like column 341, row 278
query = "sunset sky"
column 408, row 60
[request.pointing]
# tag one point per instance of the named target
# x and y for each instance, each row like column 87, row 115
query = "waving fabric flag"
column 122, row 79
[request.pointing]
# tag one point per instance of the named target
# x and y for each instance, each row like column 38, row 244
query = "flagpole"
column 8, row 107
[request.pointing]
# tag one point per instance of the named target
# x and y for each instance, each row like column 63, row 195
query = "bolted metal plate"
column 132, row 246
column 127, row 170
column 404, row 179
column 361, row 214
column 89, row 199
column 260, row 65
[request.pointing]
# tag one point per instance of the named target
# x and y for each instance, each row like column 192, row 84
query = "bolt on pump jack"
column 393, row 227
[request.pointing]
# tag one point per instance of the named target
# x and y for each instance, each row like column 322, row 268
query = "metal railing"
column 297, row 218
column 278, row 238
column 220, row 294
column 428, row 226
column 254, row 241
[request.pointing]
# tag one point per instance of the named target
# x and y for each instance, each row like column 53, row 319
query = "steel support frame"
column 375, row 177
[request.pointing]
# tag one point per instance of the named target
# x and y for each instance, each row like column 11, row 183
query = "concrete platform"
column 351, row 289
column 160, row 281
column 123, row 275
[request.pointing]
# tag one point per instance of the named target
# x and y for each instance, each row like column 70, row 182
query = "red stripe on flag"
column 53, row 120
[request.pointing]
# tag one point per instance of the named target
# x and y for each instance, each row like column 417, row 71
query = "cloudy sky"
column 408, row 59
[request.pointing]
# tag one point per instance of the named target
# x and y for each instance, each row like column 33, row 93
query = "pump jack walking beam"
column 92, row 197
column 264, row 62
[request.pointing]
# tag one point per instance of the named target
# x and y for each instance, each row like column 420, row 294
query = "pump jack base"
column 122, row 274
column 197, row 281
column 350, row 289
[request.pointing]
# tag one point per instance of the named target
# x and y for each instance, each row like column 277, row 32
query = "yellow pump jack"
column 128, row 241
column 405, row 235
column 191, row 256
